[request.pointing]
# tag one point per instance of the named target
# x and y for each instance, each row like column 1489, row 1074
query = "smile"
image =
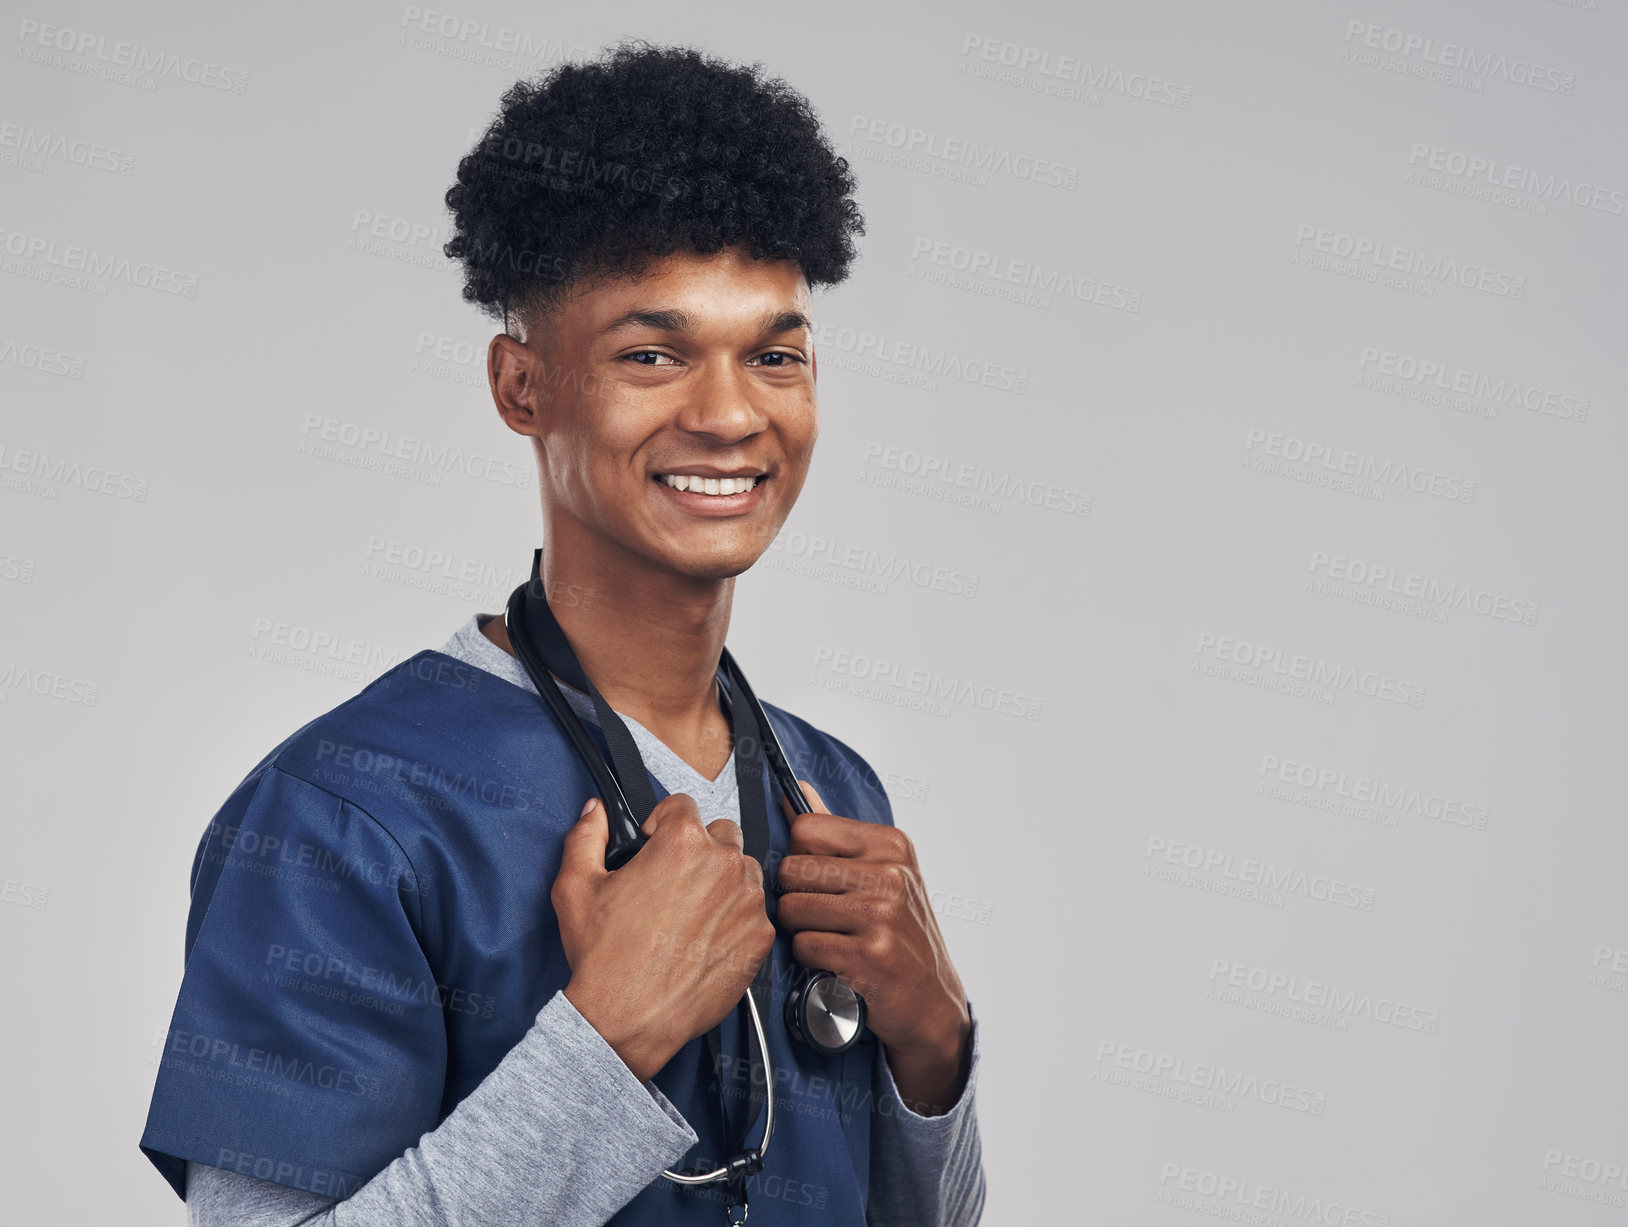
column 716, row 486
column 696, row 494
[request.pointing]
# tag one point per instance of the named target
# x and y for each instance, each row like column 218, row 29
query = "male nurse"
column 413, row 993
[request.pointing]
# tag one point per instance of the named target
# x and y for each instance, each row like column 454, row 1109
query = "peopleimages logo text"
column 1311, row 669
column 1360, row 249
column 962, row 152
column 1461, row 58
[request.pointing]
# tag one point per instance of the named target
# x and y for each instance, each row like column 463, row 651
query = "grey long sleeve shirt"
column 562, row 1131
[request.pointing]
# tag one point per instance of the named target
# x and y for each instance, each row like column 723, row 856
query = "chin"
column 714, row 564
column 718, row 569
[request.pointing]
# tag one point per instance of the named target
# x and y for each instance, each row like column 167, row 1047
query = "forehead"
column 721, row 289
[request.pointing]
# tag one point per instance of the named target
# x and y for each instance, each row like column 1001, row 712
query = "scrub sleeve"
column 307, row 1045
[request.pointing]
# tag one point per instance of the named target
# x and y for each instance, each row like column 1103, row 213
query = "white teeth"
column 709, row 485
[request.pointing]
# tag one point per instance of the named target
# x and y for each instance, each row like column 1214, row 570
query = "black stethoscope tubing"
column 626, row 838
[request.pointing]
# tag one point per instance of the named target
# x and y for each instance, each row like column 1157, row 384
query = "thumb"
column 810, row 794
column 583, row 854
column 813, row 797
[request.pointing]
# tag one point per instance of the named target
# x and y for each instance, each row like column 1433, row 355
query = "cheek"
column 590, row 455
column 610, row 482
column 798, row 432
column 562, row 458
column 800, row 455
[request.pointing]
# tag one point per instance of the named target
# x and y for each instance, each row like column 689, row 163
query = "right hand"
column 664, row 947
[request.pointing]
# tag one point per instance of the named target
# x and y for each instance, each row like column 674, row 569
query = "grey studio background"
column 1214, row 540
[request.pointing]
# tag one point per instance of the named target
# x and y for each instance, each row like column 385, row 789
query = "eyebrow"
column 670, row 319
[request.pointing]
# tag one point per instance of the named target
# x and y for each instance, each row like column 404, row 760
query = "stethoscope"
column 822, row 1011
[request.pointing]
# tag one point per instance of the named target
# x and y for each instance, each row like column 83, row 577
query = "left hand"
column 854, row 899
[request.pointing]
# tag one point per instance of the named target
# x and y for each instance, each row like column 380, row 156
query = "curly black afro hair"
column 597, row 169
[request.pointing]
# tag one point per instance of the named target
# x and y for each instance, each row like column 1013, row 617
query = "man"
column 413, row 992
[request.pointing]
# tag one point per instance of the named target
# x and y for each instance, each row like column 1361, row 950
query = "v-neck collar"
column 470, row 644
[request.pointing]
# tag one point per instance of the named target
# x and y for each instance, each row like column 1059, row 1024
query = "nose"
column 720, row 404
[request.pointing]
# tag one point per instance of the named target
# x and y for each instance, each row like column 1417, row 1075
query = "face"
column 701, row 367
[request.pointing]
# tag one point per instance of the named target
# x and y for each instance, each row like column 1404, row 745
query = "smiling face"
column 701, row 367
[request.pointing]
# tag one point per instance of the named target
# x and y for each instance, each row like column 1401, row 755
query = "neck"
column 650, row 641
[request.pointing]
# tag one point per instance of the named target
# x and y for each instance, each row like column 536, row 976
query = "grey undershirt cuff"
column 559, row 1131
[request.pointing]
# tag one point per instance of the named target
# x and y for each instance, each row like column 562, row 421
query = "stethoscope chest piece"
column 825, row 1013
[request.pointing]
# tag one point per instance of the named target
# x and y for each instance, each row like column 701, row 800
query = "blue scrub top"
column 371, row 932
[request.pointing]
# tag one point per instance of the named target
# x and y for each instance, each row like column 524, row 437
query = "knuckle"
column 686, row 830
column 676, row 807
column 885, row 910
column 901, row 887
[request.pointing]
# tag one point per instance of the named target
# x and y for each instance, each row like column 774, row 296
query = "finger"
column 829, row 875
column 727, row 832
column 830, row 952
column 583, row 852
column 822, row 913
column 827, row 834
column 808, row 792
column 672, row 805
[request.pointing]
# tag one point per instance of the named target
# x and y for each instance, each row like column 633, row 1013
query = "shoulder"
column 844, row 779
column 366, row 782
column 416, row 702
column 430, row 723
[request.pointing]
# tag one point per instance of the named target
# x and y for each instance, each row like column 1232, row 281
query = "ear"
column 511, row 372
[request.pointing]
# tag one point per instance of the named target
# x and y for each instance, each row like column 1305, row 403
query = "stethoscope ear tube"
column 625, row 836
column 813, row 991
column 821, row 1011
column 626, row 839
column 787, row 779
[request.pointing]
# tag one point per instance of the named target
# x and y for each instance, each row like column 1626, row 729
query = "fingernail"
column 588, row 807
